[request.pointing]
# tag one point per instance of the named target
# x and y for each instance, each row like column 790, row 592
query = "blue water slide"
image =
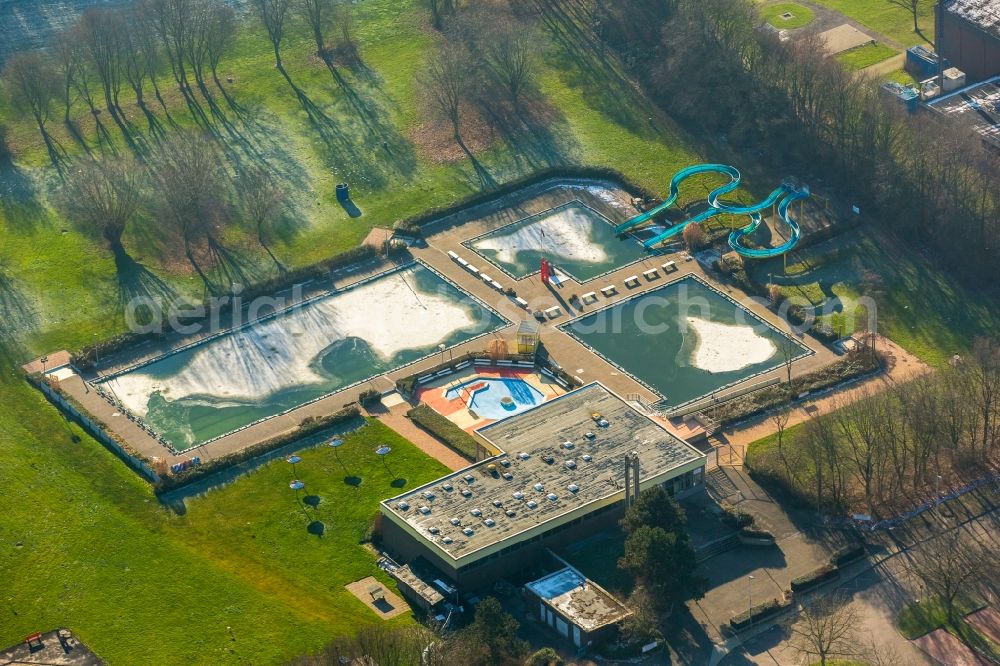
column 675, row 183
column 736, row 238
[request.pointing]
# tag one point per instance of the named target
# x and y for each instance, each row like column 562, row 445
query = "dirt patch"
column 380, row 599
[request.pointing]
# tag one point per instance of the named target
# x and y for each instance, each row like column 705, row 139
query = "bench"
column 485, row 278
column 651, row 274
column 472, row 269
column 462, row 262
column 610, row 290
column 669, row 267
column 520, row 301
column 589, row 297
column 496, row 285
column 632, row 279
column 453, row 255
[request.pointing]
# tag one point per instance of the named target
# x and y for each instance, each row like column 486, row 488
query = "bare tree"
column 913, row 7
column 272, row 14
column 33, row 85
column 261, row 199
column 448, row 81
column 694, row 236
column 510, row 56
column 318, row 15
column 171, row 22
column 104, row 197
column 103, row 31
column 438, row 10
column 191, row 188
column 949, row 566
column 825, row 630
column 66, row 61
column 223, row 31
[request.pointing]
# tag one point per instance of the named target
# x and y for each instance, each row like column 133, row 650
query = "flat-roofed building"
column 575, row 607
column 968, row 36
column 561, row 474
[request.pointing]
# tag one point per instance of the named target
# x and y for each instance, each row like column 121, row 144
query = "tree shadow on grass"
column 139, row 289
column 18, row 317
column 19, row 202
column 353, row 481
column 316, row 528
column 398, row 483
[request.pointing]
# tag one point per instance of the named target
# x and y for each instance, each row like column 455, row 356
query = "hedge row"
column 85, row 357
column 413, row 225
column 854, row 364
column 848, row 554
column 309, row 426
column 815, row 577
column 443, row 429
column 751, row 533
column 757, row 613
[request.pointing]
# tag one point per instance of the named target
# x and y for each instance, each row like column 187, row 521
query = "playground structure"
column 783, row 196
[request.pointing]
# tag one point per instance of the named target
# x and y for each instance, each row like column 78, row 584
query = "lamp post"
column 937, row 490
column 293, row 460
column 750, row 600
column 335, row 444
column 441, row 348
column 382, row 452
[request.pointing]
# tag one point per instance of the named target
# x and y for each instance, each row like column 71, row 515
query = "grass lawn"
column 901, row 76
column 889, row 19
column 919, row 307
column 238, row 576
column 801, row 15
column 865, row 56
column 920, row 618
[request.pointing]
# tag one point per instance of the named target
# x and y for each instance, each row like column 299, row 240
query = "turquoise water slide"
column 786, row 195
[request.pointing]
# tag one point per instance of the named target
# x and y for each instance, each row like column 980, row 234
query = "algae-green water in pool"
column 685, row 340
column 575, row 237
column 279, row 363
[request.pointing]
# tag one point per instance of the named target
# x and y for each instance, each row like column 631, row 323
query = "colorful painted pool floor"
column 476, row 397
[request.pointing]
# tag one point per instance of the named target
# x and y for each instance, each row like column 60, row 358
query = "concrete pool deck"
column 575, row 358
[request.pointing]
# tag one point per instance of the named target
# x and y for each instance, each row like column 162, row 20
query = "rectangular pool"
column 573, row 236
column 279, row 363
column 685, row 340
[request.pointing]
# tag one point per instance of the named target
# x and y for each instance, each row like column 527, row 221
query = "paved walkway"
column 396, row 419
column 903, row 366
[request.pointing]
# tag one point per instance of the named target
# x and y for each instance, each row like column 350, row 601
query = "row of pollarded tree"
column 185, row 187
column 708, row 65
column 111, row 49
column 886, row 451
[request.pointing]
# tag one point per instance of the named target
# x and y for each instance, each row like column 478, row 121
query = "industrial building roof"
column 582, row 601
column 977, row 107
column 561, row 457
column 982, row 13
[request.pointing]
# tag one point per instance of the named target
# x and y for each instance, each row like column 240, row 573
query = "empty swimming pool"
column 575, row 237
column 496, row 397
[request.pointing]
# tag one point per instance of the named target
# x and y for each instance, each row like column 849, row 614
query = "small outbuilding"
column 527, row 337
column 575, row 607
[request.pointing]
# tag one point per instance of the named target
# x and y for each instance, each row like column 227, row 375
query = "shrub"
column 735, row 519
column 545, row 657
column 756, row 614
column 847, row 554
column 749, row 533
column 694, row 236
column 370, row 397
column 443, row 429
column 815, row 577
